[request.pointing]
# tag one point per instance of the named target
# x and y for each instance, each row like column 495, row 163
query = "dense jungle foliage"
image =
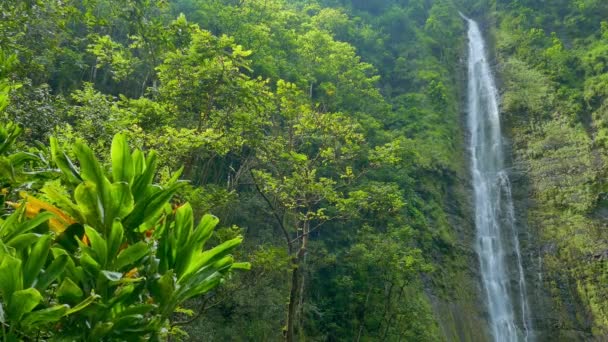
column 319, row 131
column 326, row 136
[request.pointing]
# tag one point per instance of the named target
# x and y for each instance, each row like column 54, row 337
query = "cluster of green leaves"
column 103, row 255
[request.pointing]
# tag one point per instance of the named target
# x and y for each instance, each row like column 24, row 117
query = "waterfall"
column 497, row 241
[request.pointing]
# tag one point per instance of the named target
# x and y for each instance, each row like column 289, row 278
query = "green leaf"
column 128, row 322
column 127, row 257
column 204, row 230
column 89, row 203
column 83, row 304
column 91, row 171
column 36, row 260
column 184, row 223
column 246, row 266
column 212, row 255
column 139, row 162
column 150, row 206
column 10, row 275
column 89, row 264
column 64, row 163
column 20, row 158
column 122, row 200
column 139, row 309
column 115, row 239
column 22, row 302
column 162, row 289
column 100, row 330
column 122, row 162
column 98, row 245
column 69, row 292
column 175, row 177
column 52, row 314
column 51, row 273
column 122, row 294
column 35, row 222
column 23, row 241
column 141, row 182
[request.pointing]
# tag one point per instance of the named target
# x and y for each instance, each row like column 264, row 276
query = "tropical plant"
column 104, row 255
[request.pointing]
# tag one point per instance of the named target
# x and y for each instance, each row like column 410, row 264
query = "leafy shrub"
column 101, row 255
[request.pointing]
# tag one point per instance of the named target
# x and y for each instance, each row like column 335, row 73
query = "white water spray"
column 497, row 237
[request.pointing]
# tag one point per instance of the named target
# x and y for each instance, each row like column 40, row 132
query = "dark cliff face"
column 556, row 291
column 456, row 291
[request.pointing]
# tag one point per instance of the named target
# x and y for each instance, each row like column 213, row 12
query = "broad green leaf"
column 122, row 162
column 22, row 241
column 49, row 315
column 33, row 223
column 175, row 177
column 199, row 282
column 11, row 222
column 10, row 275
column 19, row 158
column 184, row 223
column 127, row 322
column 122, row 200
column 100, row 330
column 115, row 239
column 139, row 162
column 89, row 203
column 89, row 264
column 141, row 182
column 52, row 272
column 36, row 260
column 22, row 302
column 64, row 163
column 212, row 255
column 98, row 245
column 91, row 171
column 139, row 309
column 130, row 255
column 88, row 301
column 162, row 289
column 122, row 294
column 203, row 231
column 69, row 292
column 150, row 206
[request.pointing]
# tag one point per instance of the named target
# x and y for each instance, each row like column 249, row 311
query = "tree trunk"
column 293, row 300
column 294, row 293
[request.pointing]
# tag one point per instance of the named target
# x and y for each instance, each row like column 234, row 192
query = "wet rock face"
column 552, row 203
column 553, row 167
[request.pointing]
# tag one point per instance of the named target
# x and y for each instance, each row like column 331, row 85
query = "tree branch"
column 274, row 212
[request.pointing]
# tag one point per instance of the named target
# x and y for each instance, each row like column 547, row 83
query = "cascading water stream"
column 497, row 239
